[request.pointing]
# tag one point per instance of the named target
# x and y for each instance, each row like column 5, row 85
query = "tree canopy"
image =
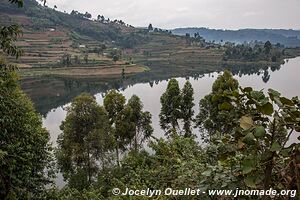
column 24, row 148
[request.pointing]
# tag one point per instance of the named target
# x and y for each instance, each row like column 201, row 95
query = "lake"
column 284, row 79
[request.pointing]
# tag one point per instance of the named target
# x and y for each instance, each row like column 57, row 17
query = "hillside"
column 74, row 45
column 50, row 36
column 289, row 38
column 61, row 44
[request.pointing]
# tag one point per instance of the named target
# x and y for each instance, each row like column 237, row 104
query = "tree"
column 114, row 103
column 142, row 122
column 186, row 107
column 150, row 27
column 85, row 140
column 66, row 60
column 116, row 54
column 101, row 18
column 170, row 110
column 87, row 15
column 99, row 50
column 215, row 107
column 125, row 128
column 268, row 47
column 25, row 156
column 77, row 59
column 8, row 35
column 86, row 58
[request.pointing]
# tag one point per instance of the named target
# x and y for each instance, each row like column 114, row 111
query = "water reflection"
column 51, row 94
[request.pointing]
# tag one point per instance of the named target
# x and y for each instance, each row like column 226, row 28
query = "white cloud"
column 226, row 14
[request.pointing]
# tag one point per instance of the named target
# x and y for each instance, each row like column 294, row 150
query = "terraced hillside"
column 61, row 44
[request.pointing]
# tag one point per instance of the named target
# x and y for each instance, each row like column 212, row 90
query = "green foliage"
column 268, row 47
column 170, row 110
column 25, row 158
column 114, row 102
column 177, row 107
column 247, row 147
column 19, row 2
column 150, row 27
column 131, row 125
column 85, row 141
column 218, row 109
column 141, row 120
column 187, row 105
column 8, row 35
column 258, row 52
column 256, row 148
column 177, row 163
column 115, row 54
column 66, row 60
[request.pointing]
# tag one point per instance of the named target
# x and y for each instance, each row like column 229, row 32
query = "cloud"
column 226, row 14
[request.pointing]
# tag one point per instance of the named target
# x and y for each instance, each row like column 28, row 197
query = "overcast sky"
column 223, row 14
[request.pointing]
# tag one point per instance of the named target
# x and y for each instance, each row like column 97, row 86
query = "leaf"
column 297, row 128
column 286, row 101
column 259, row 132
column 248, row 89
column 266, row 109
column 273, row 93
column 225, row 106
column 207, row 173
column 241, row 144
column 275, row 147
column 248, row 165
column 2, row 155
column 250, row 181
column 249, row 138
column 258, row 95
column 246, row 122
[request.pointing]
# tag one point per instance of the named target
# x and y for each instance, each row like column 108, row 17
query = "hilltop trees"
column 85, row 15
column 150, row 27
column 101, row 18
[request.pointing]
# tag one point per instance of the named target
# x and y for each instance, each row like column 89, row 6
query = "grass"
column 114, row 70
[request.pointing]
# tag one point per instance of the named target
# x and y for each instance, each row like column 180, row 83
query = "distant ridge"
column 287, row 37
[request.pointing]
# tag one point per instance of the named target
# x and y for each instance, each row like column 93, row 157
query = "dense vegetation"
column 246, row 142
column 258, row 52
column 288, row 38
column 245, row 136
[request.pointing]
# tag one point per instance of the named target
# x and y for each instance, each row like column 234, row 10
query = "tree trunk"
column 117, row 152
column 89, row 165
column 135, row 139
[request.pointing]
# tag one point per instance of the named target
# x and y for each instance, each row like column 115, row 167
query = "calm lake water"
column 286, row 80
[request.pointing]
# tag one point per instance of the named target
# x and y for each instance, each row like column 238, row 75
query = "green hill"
column 289, row 38
column 61, row 44
column 51, row 36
